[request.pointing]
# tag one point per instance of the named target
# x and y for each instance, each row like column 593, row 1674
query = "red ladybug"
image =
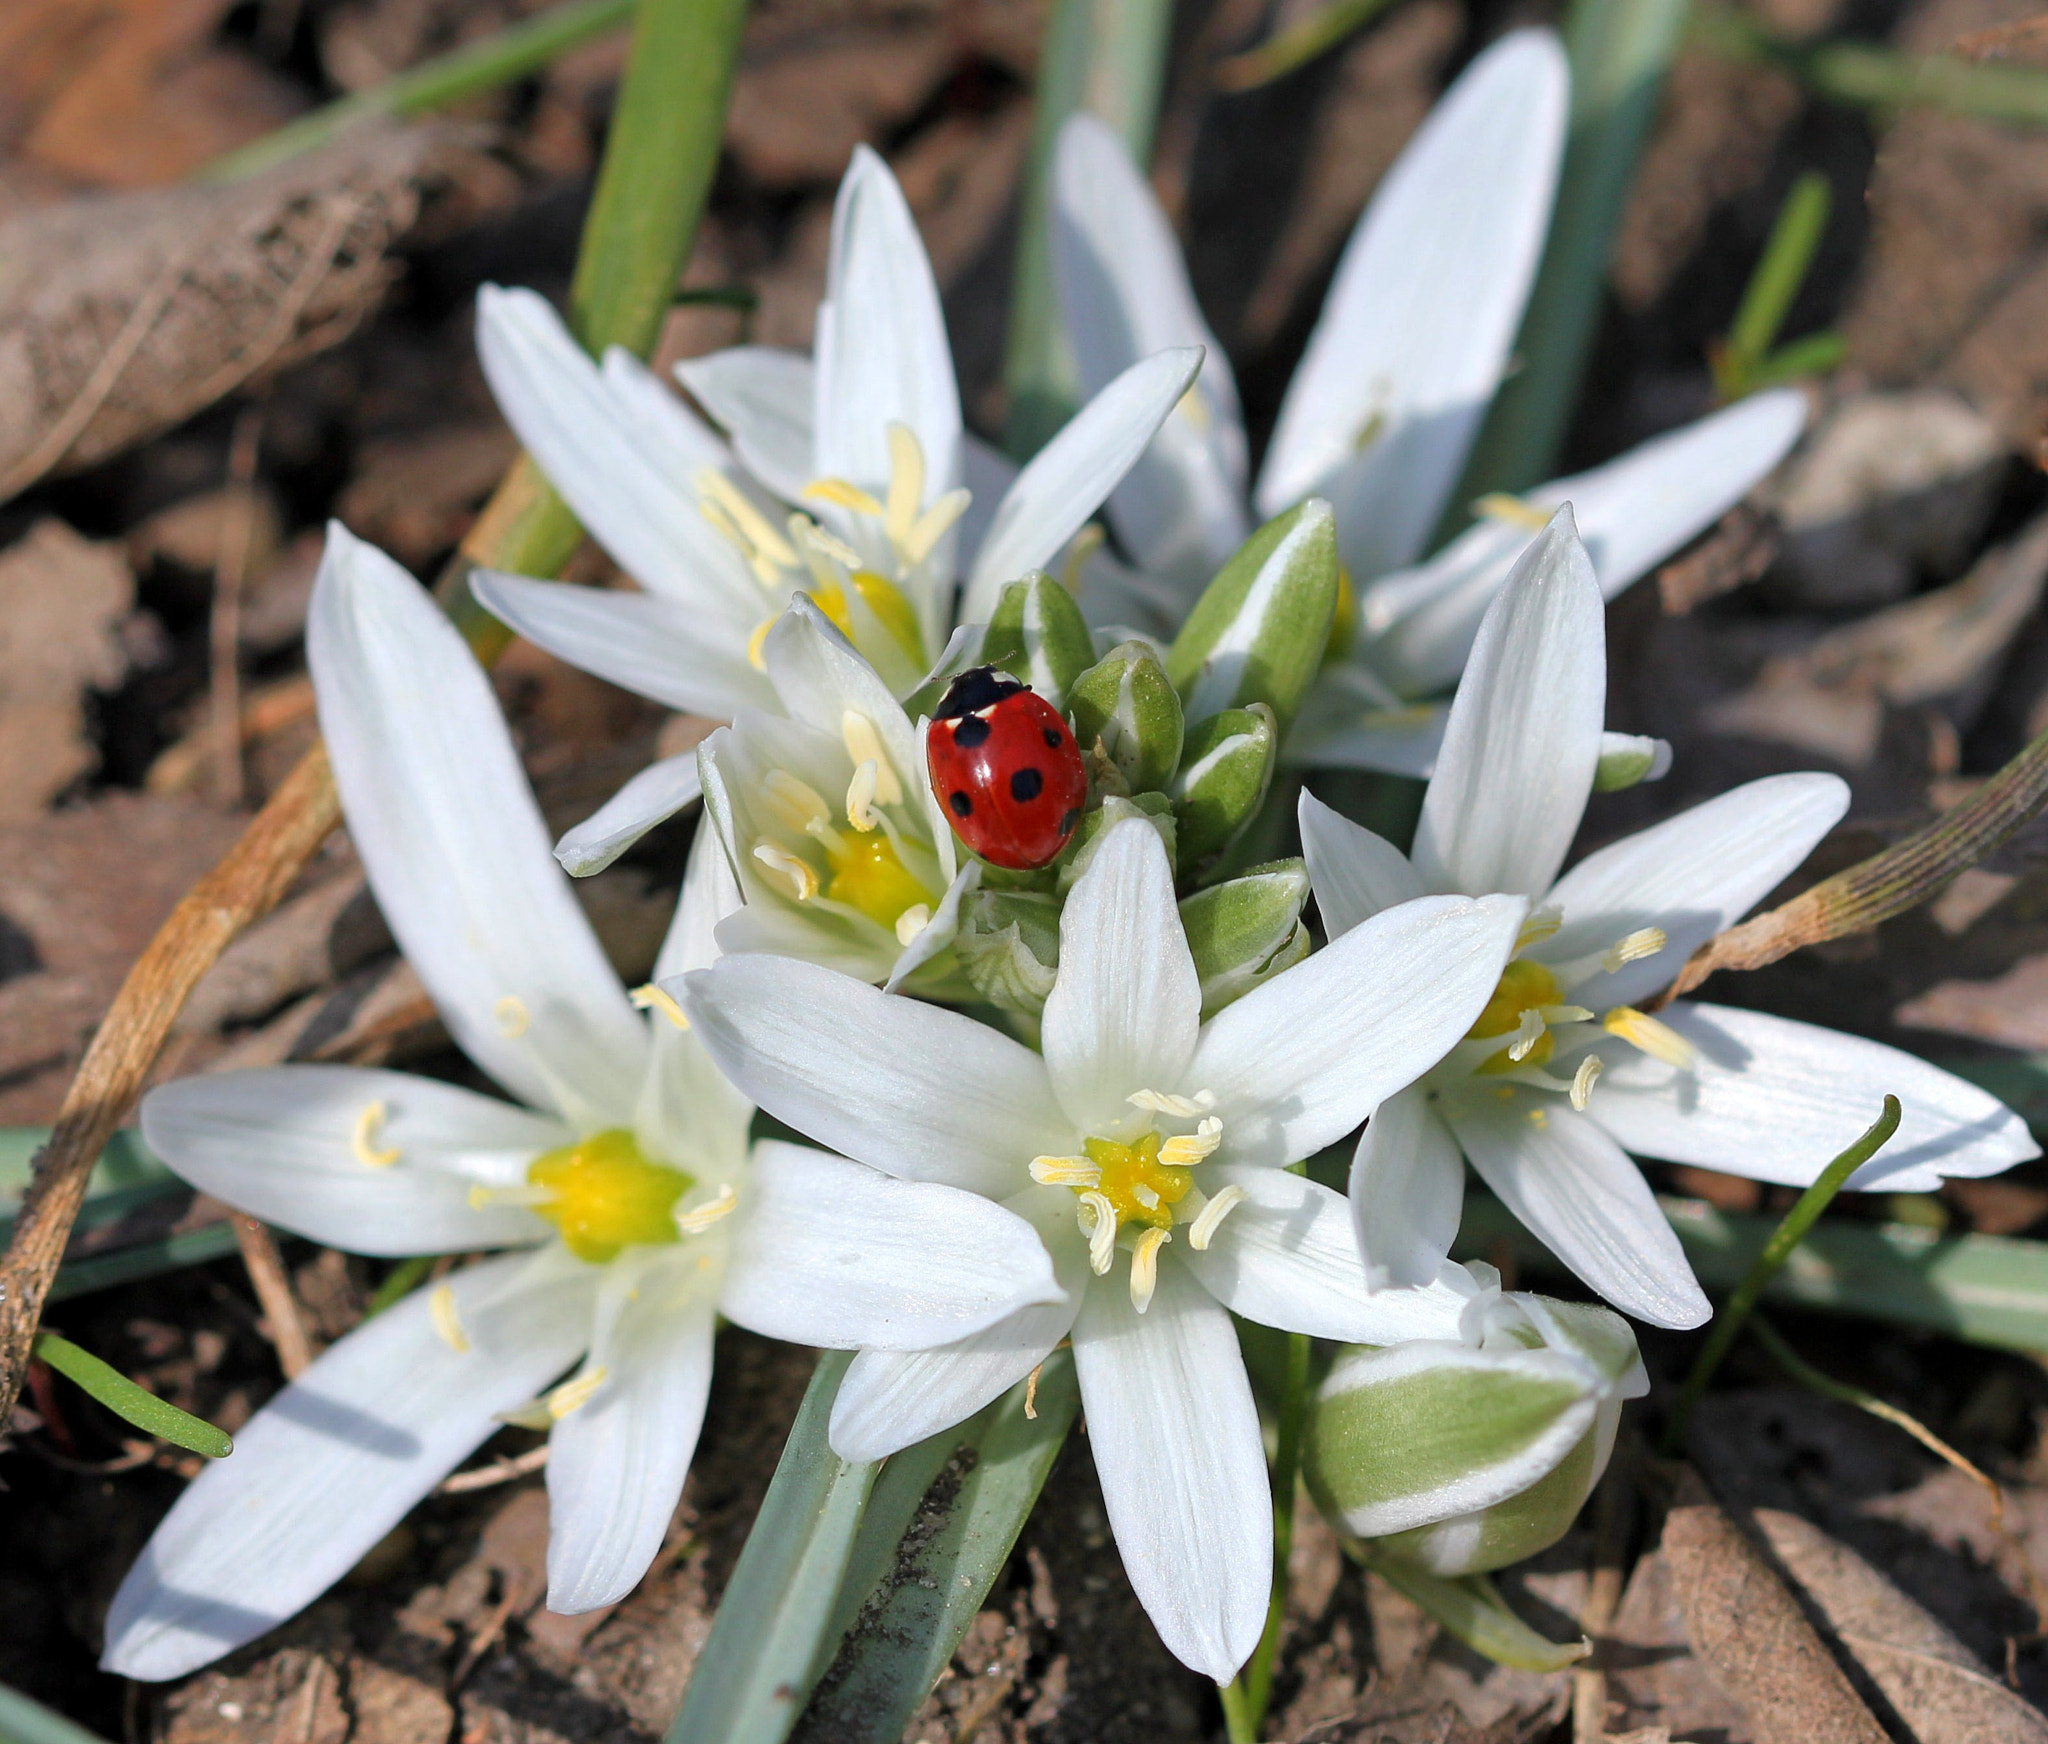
column 1007, row 770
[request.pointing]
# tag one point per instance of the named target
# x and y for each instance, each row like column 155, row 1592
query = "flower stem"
column 1764, row 1267
column 1245, row 1696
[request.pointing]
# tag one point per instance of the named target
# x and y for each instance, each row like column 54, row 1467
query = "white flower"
column 1562, row 1075
column 627, row 1176
column 1151, row 1152
column 848, row 479
column 1380, row 416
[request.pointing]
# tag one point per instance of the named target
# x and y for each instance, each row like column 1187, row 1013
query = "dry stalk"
column 224, row 630
column 273, row 1286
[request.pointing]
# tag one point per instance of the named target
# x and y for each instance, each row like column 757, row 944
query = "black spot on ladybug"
column 1068, row 823
column 961, row 804
column 1054, row 737
column 973, row 730
column 1026, row 784
column 979, row 688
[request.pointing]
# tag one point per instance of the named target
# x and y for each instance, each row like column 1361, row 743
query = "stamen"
column 1192, row 1147
column 860, row 797
column 757, row 643
column 1527, row 1034
column 1203, row 1230
column 574, row 1393
column 1564, row 1014
column 714, row 1210
column 1066, row 1172
column 653, row 998
column 864, row 745
column 818, row 545
column 1583, row 1080
column 441, row 1307
column 800, row 880
column 513, row 1017
column 1180, row 1107
column 912, row 921
column 762, row 546
column 1098, row 1222
column 845, row 495
column 364, row 1141
column 1145, row 1266
column 906, row 483
column 933, row 525
column 1542, row 923
column 1643, row 942
column 1080, row 548
column 482, row 1197
column 1514, row 510
column 795, row 804
column 1659, row 1040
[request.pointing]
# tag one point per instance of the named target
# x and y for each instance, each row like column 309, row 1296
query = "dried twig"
column 281, row 1317
column 499, row 1471
column 224, row 629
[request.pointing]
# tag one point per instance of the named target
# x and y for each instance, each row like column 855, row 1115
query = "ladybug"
column 1006, row 768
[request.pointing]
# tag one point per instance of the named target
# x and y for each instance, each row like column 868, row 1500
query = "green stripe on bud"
column 1037, row 634
column 1009, row 947
column 1259, row 631
column 1246, row 930
column 1226, row 766
column 1126, row 711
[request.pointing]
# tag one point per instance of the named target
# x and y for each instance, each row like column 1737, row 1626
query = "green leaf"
column 133, row 1404
column 1471, row 1610
column 1125, row 708
column 1037, row 634
column 1225, row 769
column 1246, row 930
column 1767, row 300
column 24, row 1721
column 774, row 1631
column 1258, row 632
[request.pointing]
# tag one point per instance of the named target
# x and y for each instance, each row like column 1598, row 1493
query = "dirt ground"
column 1876, row 610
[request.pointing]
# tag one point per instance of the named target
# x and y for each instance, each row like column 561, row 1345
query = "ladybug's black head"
column 974, row 690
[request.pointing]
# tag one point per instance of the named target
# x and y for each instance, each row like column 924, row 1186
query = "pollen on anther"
column 1203, row 1230
column 1098, row 1222
column 1643, row 942
column 1180, row 1107
column 1190, row 1148
column 1583, row 1080
column 796, row 877
column 1640, row 1030
column 1065, row 1172
column 653, row 998
column 860, row 797
column 447, row 1322
column 364, row 1140
column 1145, row 1266
column 573, row 1394
column 864, row 745
column 513, row 1017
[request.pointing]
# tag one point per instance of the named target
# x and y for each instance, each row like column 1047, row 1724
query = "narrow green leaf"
column 773, row 1633
column 399, row 1283
column 1767, row 299
column 133, row 1404
column 25, row 1721
column 1295, row 45
column 149, row 1259
column 1475, row 1613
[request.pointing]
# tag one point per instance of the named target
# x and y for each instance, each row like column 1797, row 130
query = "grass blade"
column 133, row 1404
column 24, row 1721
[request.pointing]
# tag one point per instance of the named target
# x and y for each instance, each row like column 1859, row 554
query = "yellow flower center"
column 1524, row 986
column 606, row 1196
column 1139, row 1187
column 882, row 597
column 867, row 875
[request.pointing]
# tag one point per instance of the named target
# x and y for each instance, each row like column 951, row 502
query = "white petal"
column 1692, row 875
column 910, row 1089
column 1578, row 1194
column 832, row 1253
column 1523, row 739
column 616, row 1463
column 1415, row 333
column 893, row 1399
column 819, row 676
column 1287, row 1257
column 654, row 416
column 1355, row 873
column 763, row 397
column 1407, row 1190
column 1300, row 1061
column 1124, row 1013
column 1068, row 478
column 938, row 932
column 687, row 656
column 440, row 812
column 1402, row 741
column 882, row 353
column 652, row 797
column 335, row 1461
column 1176, row 1444
column 627, row 484
column 1778, row 1100
column 289, row 1145
column 988, row 474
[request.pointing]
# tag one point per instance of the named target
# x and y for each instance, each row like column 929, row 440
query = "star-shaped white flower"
column 1151, row 1150
column 1413, row 340
column 624, row 1176
column 1563, row 1075
column 848, row 477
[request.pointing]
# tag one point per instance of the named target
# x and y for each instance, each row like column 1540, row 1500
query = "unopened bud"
column 1009, row 947
column 1246, row 930
column 1155, row 808
column 1225, row 768
column 1126, row 707
column 1627, row 758
column 1037, row 634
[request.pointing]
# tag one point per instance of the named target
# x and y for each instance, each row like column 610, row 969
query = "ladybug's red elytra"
column 1006, row 768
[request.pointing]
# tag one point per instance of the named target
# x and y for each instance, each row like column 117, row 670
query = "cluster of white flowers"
column 811, row 551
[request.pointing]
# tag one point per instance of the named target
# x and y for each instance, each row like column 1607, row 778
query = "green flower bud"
column 1257, row 635
column 1225, row 768
column 1125, row 707
column 1037, row 634
column 1155, row 808
column 1462, row 1455
column 1627, row 758
column 1009, row 947
column 1246, row 930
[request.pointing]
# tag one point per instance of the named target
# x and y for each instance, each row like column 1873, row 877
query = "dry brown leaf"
column 1750, row 1631
column 1737, row 550
column 304, row 943
column 189, row 531
column 62, row 599
column 122, row 315
column 416, row 495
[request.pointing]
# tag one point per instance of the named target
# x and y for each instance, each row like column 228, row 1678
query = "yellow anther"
column 757, row 643
column 933, row 525
column 912, row 921
column 1080, row 548
column 1203, row 1230
column 867, row 875
column 864, row 745
column 795, row 876
column 842, row 494
column 860, row 798
column 1584, row 1079
column 1065, row 1172
column 1659, row 1040
column 890, row 605
column 1145, row 1266
column 1565, row 1014
column 1098, row 1223
column 794, row 804
column 1526, row 1038
column 1542, row 923
column 364, row 1140
column 763, row 547
column 716, row 1209
column 1191, row 1147
column 906, row 483
column 1643, row 942
column 447, row 1322
column 652, row 998
column 512, row 1016
column 574, row 1393
column 605, row 1196
column 1180, row 1107
column 1513, row 510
